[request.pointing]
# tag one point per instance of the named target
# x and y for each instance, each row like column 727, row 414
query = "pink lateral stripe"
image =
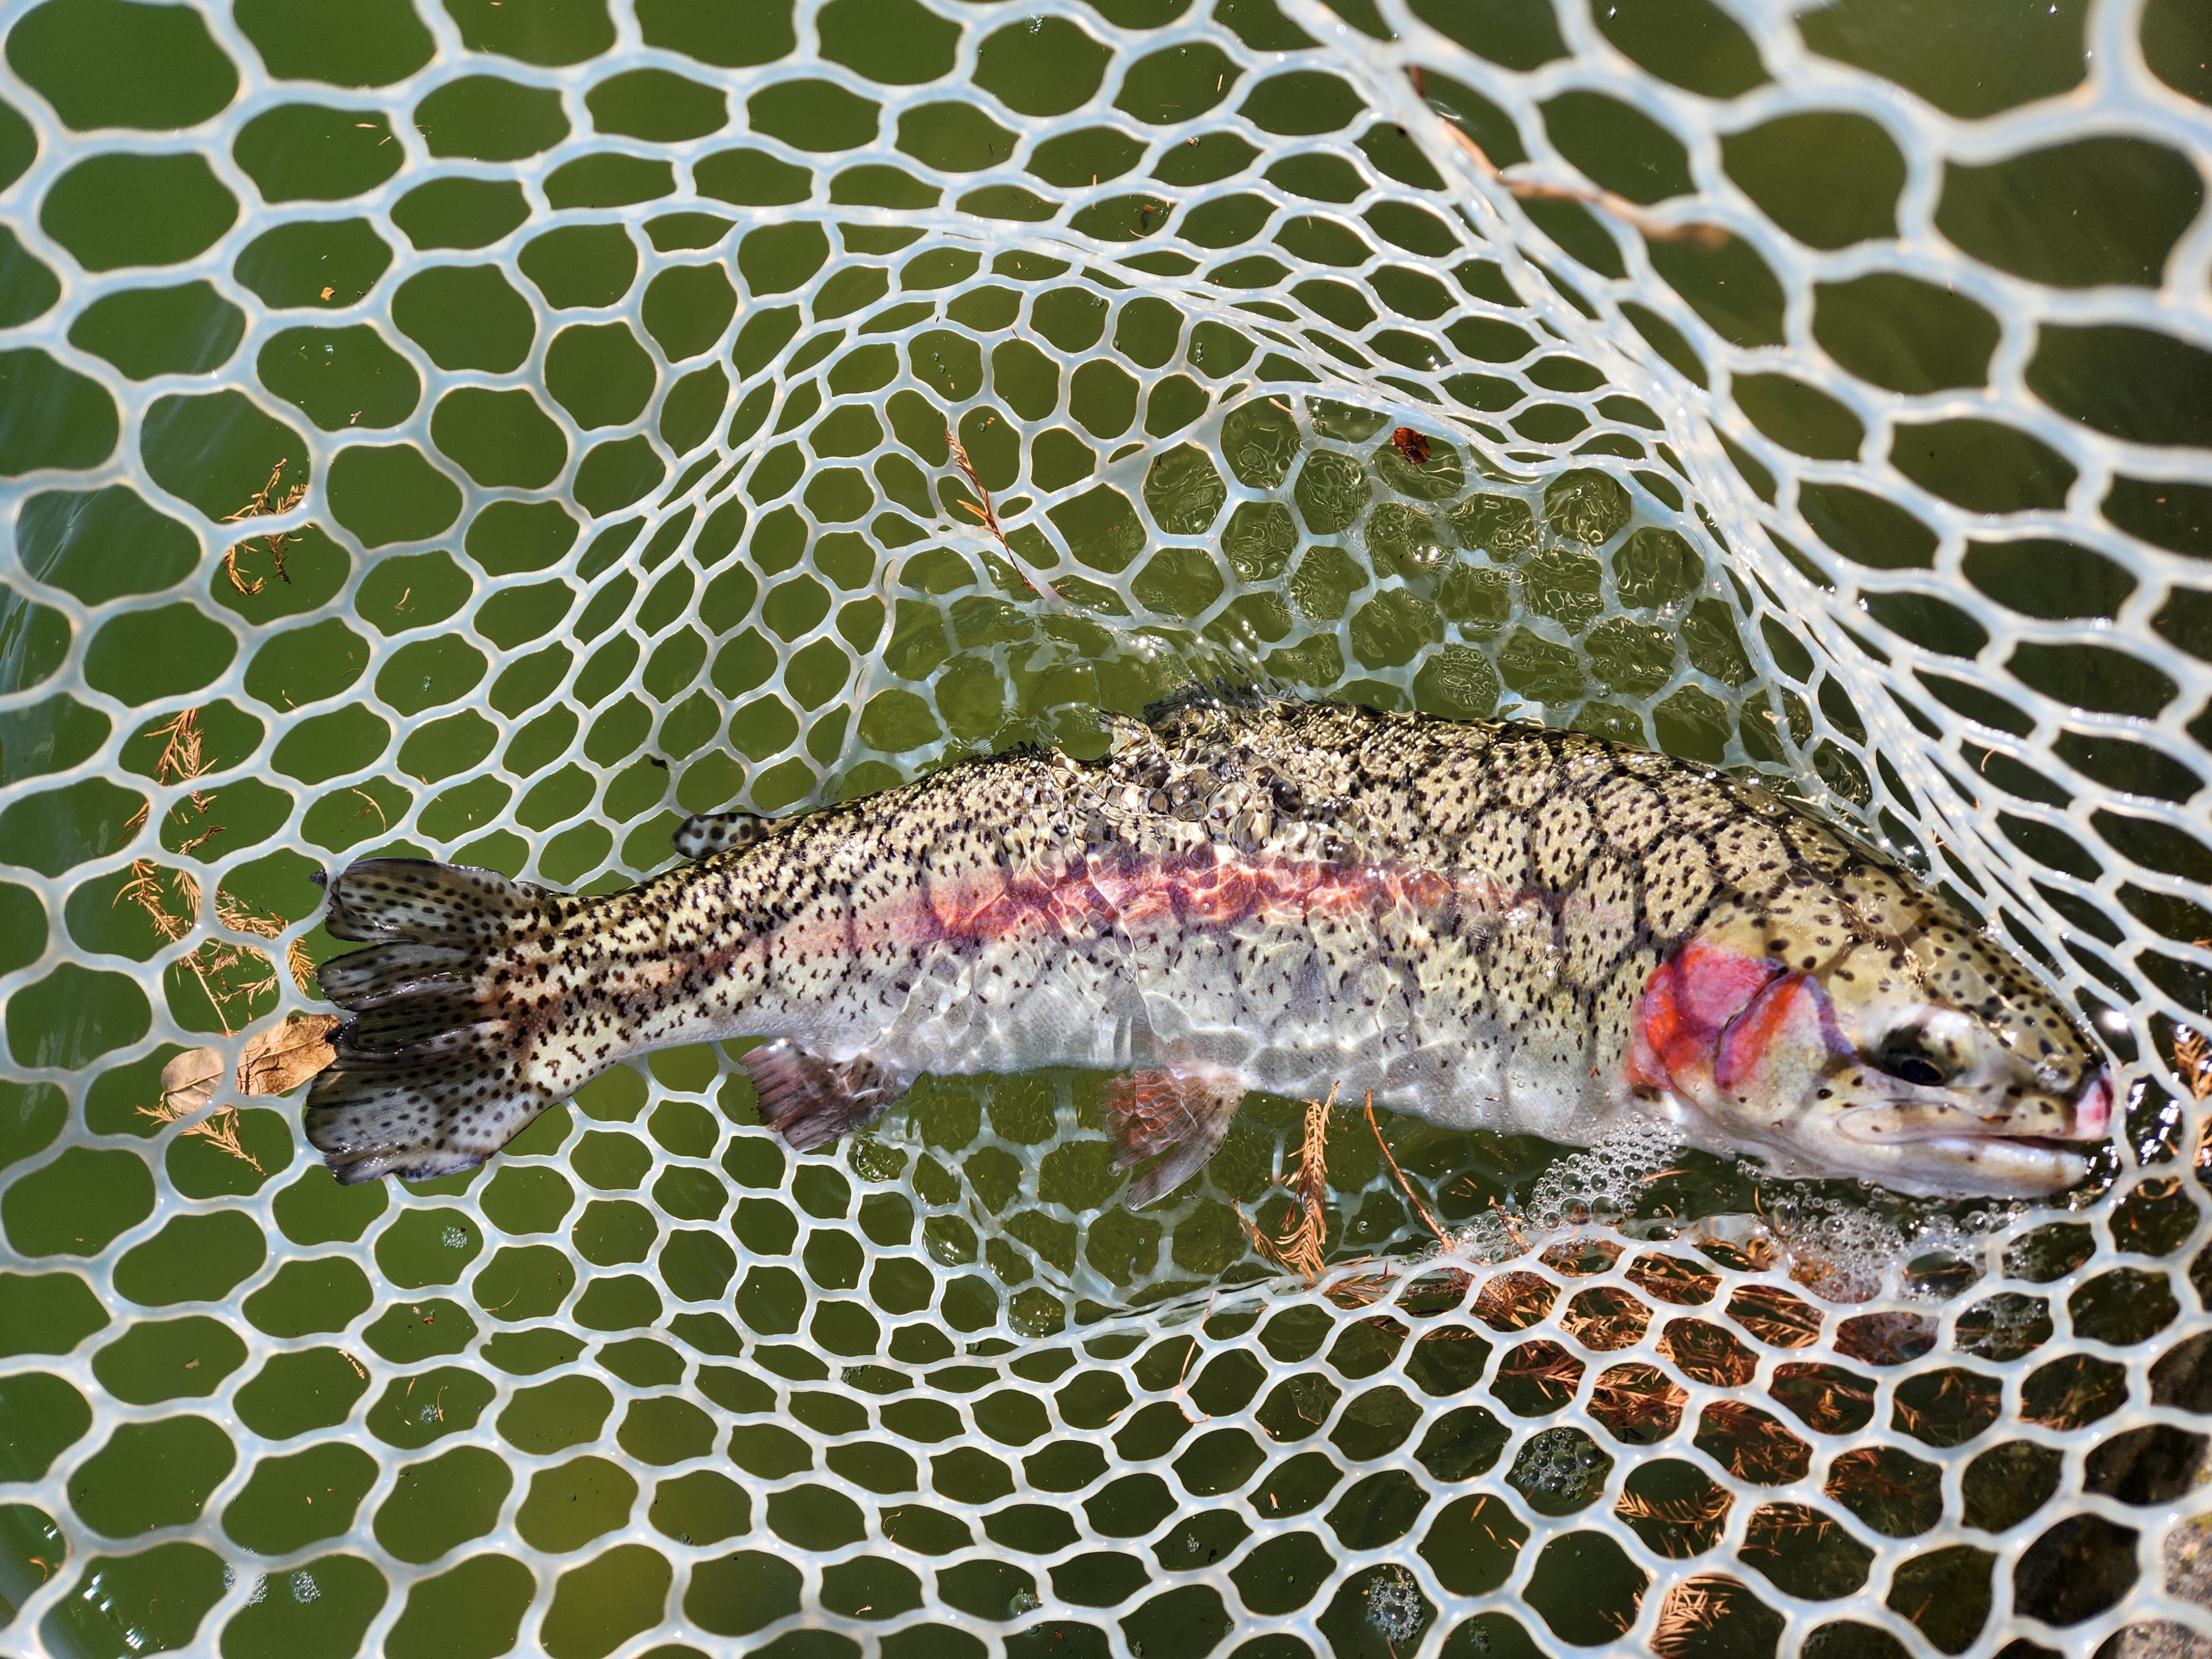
column 1207, row 889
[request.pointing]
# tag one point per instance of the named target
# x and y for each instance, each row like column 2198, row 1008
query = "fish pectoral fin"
column 811, row 1101
column 704, row 833
column 1182, row 1113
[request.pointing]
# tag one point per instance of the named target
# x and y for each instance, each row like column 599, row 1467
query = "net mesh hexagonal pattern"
column 495, row 430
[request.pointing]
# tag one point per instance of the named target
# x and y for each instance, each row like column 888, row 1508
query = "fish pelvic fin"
column 811, row 1101
column 441, row 1060
column 1183, row 1113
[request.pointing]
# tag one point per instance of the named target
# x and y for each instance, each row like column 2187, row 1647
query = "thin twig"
column 1526, row 189
column 987, row 513
column 1404, row 1185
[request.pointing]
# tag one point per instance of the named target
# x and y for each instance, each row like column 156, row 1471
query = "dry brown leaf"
column 187, row 1084
column 286, row 1055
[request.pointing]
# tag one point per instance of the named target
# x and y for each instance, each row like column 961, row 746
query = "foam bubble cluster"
column 1601, row 1183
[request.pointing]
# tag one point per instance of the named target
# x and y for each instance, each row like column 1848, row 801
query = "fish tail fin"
column 442, row 1060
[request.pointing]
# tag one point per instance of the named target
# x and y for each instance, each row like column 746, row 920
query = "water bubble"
column 1394, row 1604
column 1604, row 1182
column 1559, row 1470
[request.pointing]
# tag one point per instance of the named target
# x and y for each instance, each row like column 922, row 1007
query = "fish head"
column 1873, row 1033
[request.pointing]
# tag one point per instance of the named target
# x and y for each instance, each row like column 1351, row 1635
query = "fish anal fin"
column 1182, row 1113
column 811, row 1101
column 704, row 833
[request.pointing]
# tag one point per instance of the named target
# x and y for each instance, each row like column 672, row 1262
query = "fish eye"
column 1914, row 1068
column 1905, row 1055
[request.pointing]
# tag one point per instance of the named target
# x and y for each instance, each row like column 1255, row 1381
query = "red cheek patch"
column 1688, row 1001
column 1792, row 1006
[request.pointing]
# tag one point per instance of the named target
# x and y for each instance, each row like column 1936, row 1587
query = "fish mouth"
column 1940, row 1146
column 2093, row 1107
column 1881, row 1126
column 1950, row 1125
column 1956, row 1161
column 2010, row 1166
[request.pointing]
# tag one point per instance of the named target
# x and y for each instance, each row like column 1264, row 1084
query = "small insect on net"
column 492, row 431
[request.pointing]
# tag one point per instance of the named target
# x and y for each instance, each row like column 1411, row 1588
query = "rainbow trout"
column 1486, row 925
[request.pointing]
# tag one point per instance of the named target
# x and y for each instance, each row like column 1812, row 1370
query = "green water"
column 1517, row 585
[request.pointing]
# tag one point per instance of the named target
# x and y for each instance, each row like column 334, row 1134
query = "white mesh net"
column 1823, row 394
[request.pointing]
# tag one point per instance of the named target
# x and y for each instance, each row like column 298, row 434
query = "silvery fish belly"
column 1484, row 925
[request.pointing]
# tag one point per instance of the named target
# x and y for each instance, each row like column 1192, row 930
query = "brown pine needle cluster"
column 1779, row 1525
column 219, row 1129
column 232, row 976
column 2192, row 1061
column 173, row 1104
column 1637, row 1403
column 1514, row 1301
column 1693, row 1607
column 1689, row 1516
column 1776, row 1317
column 264, row 503
column 1299, row 1249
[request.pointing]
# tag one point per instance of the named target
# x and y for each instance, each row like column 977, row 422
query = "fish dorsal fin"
column 704, row 834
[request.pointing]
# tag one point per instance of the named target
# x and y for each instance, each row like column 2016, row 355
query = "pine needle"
column 2192, row 1061
column 1691, row 1607
column 220, row 1130
column 180, row 756
column 262, row 504
column 1404, row 1185
column 1299, row 1249
column 1699, row 1512
column 1536, row 190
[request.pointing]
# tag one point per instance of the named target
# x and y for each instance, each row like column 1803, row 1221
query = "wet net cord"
column 517, row 549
